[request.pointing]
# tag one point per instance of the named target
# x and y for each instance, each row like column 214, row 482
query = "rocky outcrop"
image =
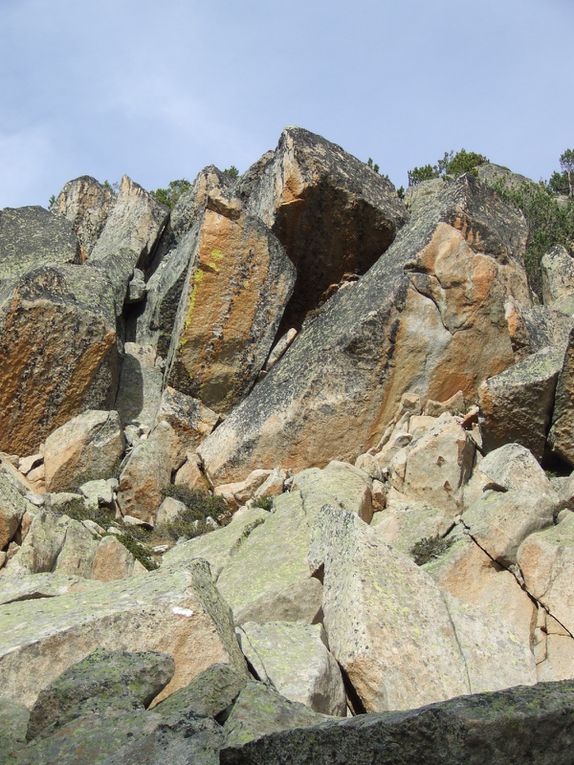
column 429, row 317
column 561, row 436
column 557, row 268
column 86, row 204
column 31, row 238
column 48, row 377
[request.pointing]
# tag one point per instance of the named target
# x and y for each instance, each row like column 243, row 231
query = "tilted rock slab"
column 86, row 204
column 399, row 640
column 31, row 237
column 557, row 268
column 561, row 436
column 510, row 727
column 88, row 447
column 58, row 352
column 176, row 612
column 429, row 317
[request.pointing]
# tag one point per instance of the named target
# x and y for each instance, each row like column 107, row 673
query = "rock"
column 510, row 467
column 333, row 215
column 419, row 195
column 279, row 349
column 509, row 726
column 268, row 577
column 557, row 268
column 86, row 204
column 260, row 710
column 332, row 395
column 434, row 466
column 87, row 448
column 189, row 417
column 27, row 464
column 139, row 392
column 32, row 237
column 102, row 681
column 78, row 550
column 35, row 586
column 112, row 560
column 404, row 522
column 546, row 560
column 100, row 492
column 561, row 436
column 123, row 738
column 209, row 694
column 533, row 329
column 176, row 612
column 137, row 287
column 190, row 474
column 13, row 725
column 453, row 405
column 48, row 377
column 516, row 405
column 294, row 659
column 237, row 494
column 378, row 605
column 42, row 545
column 147, row 472
column 132, row 228
column 169, row 511
column 273, row 485
column 236, row 290
column 12, row 508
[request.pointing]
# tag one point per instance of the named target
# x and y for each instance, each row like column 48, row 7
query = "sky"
column 159, row 89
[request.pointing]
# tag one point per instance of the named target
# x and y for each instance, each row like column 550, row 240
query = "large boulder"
column 140, row 387
column 516, row 405
column 31, row 237
column 12, row 508
column 561, row 436
column 86, row 204
column 510, row 727
column 58, row 353
column 557, row 268
column 176, row 612
column 88, row 447
column 429, row 317
column 398, row 639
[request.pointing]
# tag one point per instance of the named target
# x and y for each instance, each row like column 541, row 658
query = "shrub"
column 103, row 516
column 231, row 172
column 137, row 550
column 451, row 165
column 265, row 503
column 429, row 548
column 172, row 193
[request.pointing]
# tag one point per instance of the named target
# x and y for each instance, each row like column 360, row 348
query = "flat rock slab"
column 176, row 612
column 509, row 727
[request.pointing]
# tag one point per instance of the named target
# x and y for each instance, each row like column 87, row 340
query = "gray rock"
column 13, row 725
column 516, row 405
column 137, row 287
column 101, row 681
column 58, row 352
column 31, row 237
column 557, row 276
column 86, row 204
column 337, row 387
column 561, row 436
column 209, row 694
column 139, row 391
column 510, row 727
column 12, row 508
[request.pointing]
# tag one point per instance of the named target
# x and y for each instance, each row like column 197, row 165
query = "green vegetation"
column 265, row 503
column 549, row 223
column 429, row 548
column 103, row 516
column 199, row 506
column 172, row 193
column 450, row 166
column 137, row 550
column 231, row 172
column 372, row 165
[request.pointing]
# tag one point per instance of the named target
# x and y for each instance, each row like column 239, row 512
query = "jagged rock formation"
column 287, row 443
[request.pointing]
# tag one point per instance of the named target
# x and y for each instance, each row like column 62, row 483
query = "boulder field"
column 286, row 473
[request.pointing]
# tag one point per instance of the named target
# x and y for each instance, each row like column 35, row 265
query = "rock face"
column 561, row 436
column 86, row 204
column 179, row 612
column 31, row 237
column 236, row 290
column 512, row 726
column 88, row 447
column 557, row 276
column 50, row 376
column 422, row 320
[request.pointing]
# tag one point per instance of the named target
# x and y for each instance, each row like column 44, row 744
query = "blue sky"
column 157, row 89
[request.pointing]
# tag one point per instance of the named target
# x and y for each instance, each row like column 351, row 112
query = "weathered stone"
column 176, row 612
column 86, row 204
column 429, row 317
column 533, row 329
column 190, row 474
column 49, row 376
column 31, row 237
column 27, row 464
column 35, row 586
column 100, row 492
column 517, row 725
column 139, row 392
column 86, row 448
column 404, row 522
column 333, row 214
column 561, row 436
column 294, row 659
column 236, row 290
column 557, row 268
column 209, row 694
column 273, row 485
column 13, row 725
column 169, row 511
column 378, row 605
column 546, row 560
column 516, row 405
column 42, row 545
column 123, row 738
column 189, row 417
column 132, row 228
column 78, row 550
column 112, row 560
column 147, row 472
column 237, row 494
column 103, row 680
column 260, row 710
column 137, row 287
column 12, row 508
